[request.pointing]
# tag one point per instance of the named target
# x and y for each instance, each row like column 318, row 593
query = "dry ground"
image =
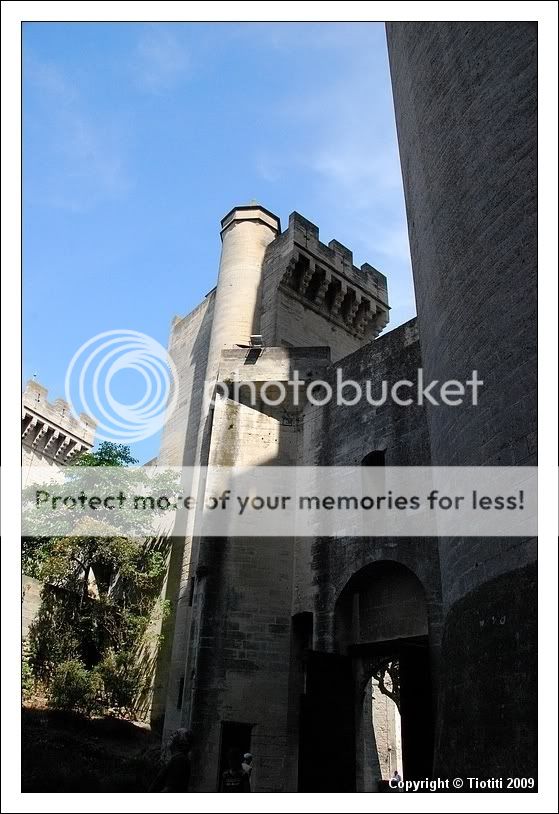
column 67, row 752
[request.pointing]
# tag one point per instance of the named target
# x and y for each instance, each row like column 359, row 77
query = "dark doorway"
column 326, row 727
column 381, row 617
column 233, row 736
column 416, row 707
column 415, row 698
column 375, row 458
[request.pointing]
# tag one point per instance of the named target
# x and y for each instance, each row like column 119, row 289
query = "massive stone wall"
column 188, row 347
column 465, row 101
column 238, row 668
column 338, row 435
column 339, row 580
column 386, row 724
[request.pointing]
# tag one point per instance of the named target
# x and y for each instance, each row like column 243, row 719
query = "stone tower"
column 465, row 100
column 246, row 232
column 229, row 649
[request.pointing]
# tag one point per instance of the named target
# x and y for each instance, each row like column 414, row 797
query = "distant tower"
column 465, row 100
column 50, row 434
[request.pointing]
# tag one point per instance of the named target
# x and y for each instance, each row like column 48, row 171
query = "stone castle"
column 273, row 642
column 246, row 618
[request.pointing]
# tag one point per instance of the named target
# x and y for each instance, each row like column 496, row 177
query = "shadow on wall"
column 162, row 666
column 383, row 601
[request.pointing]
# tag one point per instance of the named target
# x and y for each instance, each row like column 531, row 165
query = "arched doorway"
column 382, row 650
column 382, row 627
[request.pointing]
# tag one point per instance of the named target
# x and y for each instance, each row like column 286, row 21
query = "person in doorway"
column 247, row 766
column 175, row 775
column 397, row 778
column 235, row 778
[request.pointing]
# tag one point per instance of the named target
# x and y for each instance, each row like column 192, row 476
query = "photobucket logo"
column 297, row 391
column 90, row 379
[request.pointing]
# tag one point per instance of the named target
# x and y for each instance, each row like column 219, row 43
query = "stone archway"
column 381, row 617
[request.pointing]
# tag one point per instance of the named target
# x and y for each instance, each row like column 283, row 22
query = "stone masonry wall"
column 188, row 346
column 31, row 589
column 238, row 666
column 465, row 99
column 342, row 436
column 465, row 103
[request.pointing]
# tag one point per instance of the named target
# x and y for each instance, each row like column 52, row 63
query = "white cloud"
column 161, row 60
column 78, row 160
column 268, row 167
column 49, row 79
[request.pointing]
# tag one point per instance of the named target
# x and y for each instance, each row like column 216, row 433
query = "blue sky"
column 138, row 138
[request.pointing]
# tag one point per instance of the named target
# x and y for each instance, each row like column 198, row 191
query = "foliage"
column 101, row 500
column 54, row 636
column 73, row 687
column 387, row 673
column 75, row 622
column 122, row 680
column 27, row 678
column 107, row 454
column 34, row 555
column 96, row 608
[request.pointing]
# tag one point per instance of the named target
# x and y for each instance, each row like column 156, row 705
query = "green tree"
column 107, row 454
column 100, row 595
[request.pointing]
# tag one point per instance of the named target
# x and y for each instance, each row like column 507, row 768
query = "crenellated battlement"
column 50, row 430
column 324, row 279
column 335, row 254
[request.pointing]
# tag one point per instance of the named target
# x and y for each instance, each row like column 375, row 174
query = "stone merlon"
column 50, row 430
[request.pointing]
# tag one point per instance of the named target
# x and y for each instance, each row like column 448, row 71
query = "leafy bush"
column 55, row 634
column 27, row 677
column 122, row 680
column 95, row 648
column 73, row 687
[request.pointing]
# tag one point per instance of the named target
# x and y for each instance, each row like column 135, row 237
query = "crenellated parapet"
column 325, row 280
column 50, row 431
